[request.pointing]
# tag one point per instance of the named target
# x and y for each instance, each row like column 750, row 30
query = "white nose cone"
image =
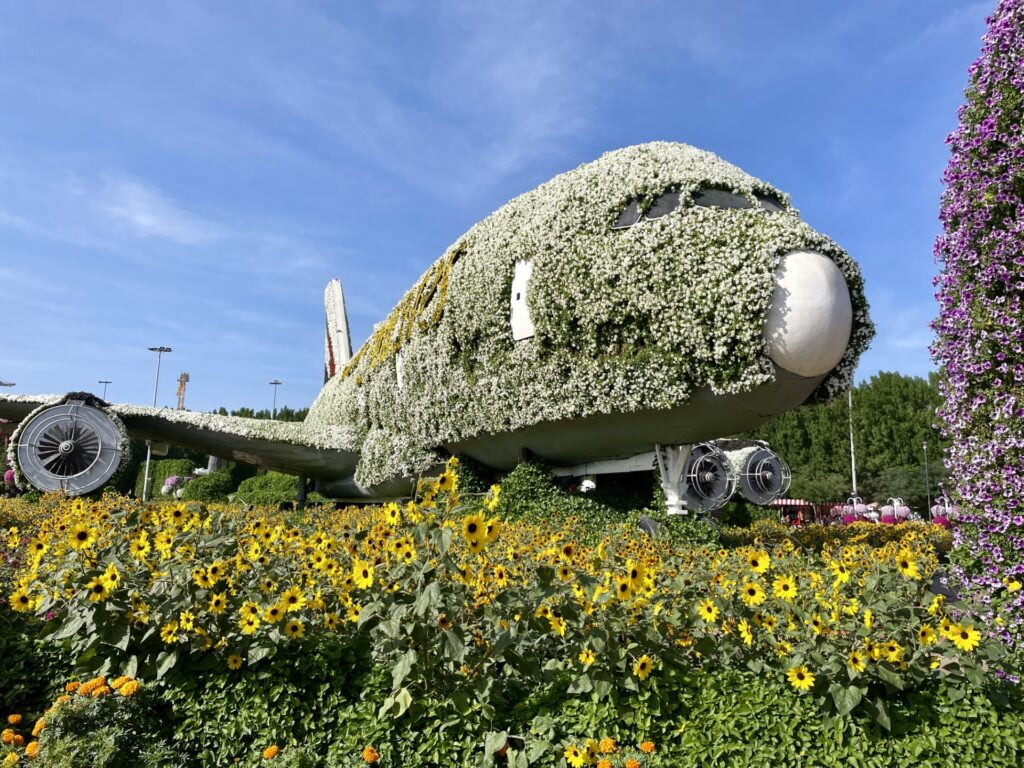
column 808, row 324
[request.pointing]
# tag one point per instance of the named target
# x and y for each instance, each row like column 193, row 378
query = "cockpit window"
column 663, row 204
column 769, row 202
column 719, row 198
column 629, row 216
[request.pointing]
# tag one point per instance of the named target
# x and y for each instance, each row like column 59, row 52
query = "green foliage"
column 32, row 668
column 271, row 489
column 214, row 486
column 735, row 718
column 160, row 471
column 313, row 694
column 531, row 492
column 108, row 732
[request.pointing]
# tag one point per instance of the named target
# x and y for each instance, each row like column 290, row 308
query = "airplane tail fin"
column 338, row 341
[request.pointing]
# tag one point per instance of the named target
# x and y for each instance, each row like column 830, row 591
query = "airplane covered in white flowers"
column 619, row 317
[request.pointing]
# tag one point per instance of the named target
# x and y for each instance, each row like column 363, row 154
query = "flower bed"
column 486, row 639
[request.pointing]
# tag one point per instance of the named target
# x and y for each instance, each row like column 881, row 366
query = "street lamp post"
column 927, row 480
column 149, row 444
column 104, row 382
column 275, row 384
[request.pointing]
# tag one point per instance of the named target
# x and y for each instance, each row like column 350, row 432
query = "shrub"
column 214, row 486
column 272, row 488
column 160, row 471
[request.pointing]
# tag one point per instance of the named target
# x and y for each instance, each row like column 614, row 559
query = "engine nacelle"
column 761, row 474
column 75, row 446
column 709, row 481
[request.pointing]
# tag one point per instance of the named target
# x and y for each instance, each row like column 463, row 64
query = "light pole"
column 104, row 382
column 149, row 444
column 275, row 384
column 927, row 481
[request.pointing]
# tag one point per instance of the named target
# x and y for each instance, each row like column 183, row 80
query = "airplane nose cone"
column 809, row 321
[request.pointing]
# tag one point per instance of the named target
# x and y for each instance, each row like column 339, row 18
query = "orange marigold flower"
column 39, row 727
column 18, row 740
column 647, row 746
column 72, row 686
column 130, row 688
column 7, row 736
column 632, row 763
column 271, row 752
column 607, row 746
column 370, row 755
column 32, row 749
column 13, row 719
column 604, row 762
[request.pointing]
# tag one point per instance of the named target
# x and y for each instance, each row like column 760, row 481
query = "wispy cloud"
column 146, row 212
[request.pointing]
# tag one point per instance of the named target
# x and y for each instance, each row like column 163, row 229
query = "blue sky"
column 192, row 174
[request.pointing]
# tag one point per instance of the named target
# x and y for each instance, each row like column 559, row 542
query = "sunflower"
column 784, row 587
column 752, row 594
column 362, row 574
column 858, row 660
column 202, row 578
column 491, row 529
column 558, row 625
column 473, row 528
column 81, row 537
column 352, row 613
column 293, row 599
column 564, row 572
column 249, row 609
column 99, row 589
column 275, row 613
column 800, row 678
column 575, row 756
column 295, row 628
column 643, row 666
column 501, row 576
column 21, row 601
column 759, row 561
column 446, row 482
column 248, row 624
column 908, row 567
column 623, row 589
column 926, row 635
column 965, row 637
column 637, row 573
column 708, row 611
column 587, row 657
column 234, row 661
column 745, row 633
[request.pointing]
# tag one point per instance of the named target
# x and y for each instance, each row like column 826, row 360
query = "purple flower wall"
column 980, row 328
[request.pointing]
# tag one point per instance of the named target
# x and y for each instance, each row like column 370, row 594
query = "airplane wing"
column 74, row 441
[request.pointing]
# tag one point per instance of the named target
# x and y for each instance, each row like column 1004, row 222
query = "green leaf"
column 846, row 698
column 581, row 684
column 165, row 662
column 454, row 645
column 427, row 599
column 69, row 628
column 401, row 670
column 495, row 741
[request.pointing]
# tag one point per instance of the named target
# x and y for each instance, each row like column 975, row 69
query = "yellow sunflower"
column 800, row 678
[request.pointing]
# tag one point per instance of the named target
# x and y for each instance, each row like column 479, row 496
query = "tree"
column 893, row 416
column 980, row 341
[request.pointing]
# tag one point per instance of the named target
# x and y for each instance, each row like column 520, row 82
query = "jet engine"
column 761, row 474
column 709, row 480
column 75, row 446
